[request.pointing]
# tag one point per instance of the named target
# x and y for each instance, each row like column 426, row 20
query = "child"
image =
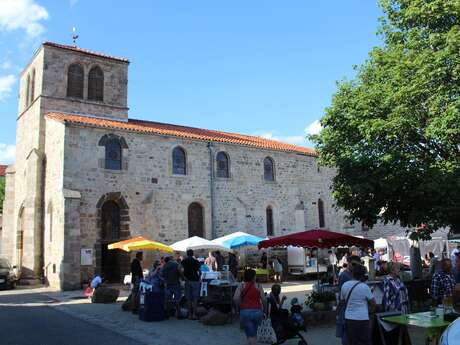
column 296, row 314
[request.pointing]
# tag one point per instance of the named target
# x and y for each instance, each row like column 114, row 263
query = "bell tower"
column 59, row 78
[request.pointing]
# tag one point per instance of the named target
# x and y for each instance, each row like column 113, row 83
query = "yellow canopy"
column 121, row 245
column 140, row 243
column 148, row 245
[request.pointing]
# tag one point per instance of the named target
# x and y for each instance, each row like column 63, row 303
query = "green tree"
column 393, row 133
column 2, row 193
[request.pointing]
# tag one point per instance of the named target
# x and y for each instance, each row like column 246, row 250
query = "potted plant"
column 320, row 301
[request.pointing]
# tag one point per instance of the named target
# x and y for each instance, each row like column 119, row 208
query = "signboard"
column 86, row 258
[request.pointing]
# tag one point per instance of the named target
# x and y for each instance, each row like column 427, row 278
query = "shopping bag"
column 265, row 333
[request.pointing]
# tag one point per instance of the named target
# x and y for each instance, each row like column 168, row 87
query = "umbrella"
column 148, row 245
column 316, row 238
column 197, row 243
column 121, row 244
column 237, row 240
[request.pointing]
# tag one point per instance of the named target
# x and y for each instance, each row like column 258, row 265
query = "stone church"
column 87, row 175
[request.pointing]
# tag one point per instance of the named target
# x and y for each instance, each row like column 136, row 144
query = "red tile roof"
column 3, row 170
column 182, row 132
column 84, row 51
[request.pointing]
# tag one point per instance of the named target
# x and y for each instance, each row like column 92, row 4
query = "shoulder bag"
column 340, row 318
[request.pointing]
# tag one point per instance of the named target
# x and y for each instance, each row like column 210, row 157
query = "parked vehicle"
column 8, row 277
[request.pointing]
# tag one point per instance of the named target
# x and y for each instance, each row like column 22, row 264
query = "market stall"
column 242, row 241
column 316, row 238
column 139, row 243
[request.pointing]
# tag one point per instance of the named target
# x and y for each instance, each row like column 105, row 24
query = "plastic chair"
column 204, row 289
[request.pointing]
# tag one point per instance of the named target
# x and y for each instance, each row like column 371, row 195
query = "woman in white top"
column 359, row 295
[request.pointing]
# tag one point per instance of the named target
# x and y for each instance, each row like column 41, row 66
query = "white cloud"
column 6, row 85
column 22, row 14
column 313, row 128
column 7, row 153
column 290, row 139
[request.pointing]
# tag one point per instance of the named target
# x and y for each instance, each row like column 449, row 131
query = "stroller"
column 285, row 328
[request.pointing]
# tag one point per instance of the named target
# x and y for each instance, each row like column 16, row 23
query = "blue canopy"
column 238, row 240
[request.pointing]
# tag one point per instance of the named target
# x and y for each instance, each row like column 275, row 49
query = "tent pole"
column 268, row 263
column 317, row 270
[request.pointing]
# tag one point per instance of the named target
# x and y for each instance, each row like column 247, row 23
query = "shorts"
column 173, row 293
column 192, row 291
column 250, row 320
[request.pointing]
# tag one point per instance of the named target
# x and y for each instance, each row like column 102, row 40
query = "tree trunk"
column 415, row 260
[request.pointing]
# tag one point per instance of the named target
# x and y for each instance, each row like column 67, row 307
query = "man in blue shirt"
column 443, row 283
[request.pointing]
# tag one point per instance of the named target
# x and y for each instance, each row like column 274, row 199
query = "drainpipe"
column 212, row 187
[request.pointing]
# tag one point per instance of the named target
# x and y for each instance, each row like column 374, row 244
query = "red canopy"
column 316, row 238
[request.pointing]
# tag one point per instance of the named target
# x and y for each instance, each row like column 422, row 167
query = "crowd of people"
column 168, row 273
column 350, row 274
column 357, row 297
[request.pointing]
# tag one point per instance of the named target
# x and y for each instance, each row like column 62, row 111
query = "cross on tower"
column 74, row 36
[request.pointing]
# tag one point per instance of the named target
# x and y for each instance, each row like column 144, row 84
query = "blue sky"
column 261, row 67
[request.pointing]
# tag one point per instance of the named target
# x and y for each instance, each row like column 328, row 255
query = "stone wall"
column 115, row 100
column 7, row 243
column 25, row 202
column 158, row 200
column 55, row 212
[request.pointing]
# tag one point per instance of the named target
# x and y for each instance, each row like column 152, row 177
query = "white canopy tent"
column 197, row 243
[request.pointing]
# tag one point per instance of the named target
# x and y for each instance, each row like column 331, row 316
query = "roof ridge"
column 202, row 134
column 84, row 51
column 248, row 136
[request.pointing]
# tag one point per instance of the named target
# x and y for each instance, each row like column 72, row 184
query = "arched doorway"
column 110, row 232
column 113, row 220
column 195, row 220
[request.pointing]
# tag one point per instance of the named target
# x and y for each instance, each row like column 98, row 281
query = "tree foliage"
column 393, row 133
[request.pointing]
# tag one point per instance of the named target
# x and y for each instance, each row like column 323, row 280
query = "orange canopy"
column 121, row 245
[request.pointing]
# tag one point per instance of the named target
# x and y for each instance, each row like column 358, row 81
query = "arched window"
column 28, row 91
column 322, row 222
column 32, row 87
column 113, row 150
column 179, row 161
column 269, row 169
column 222, row 165
column 269, row 216
column 75, row 81
column 96, row 84
column 195, row 220
column 113, row 154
